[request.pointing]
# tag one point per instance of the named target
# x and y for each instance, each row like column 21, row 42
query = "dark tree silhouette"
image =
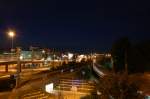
column 137, row 56
column 119, row 52
column 119, row 86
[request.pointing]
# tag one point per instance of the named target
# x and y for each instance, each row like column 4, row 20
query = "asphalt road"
column 65, row 80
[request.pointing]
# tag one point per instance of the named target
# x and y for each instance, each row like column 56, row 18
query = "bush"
column 119, row 86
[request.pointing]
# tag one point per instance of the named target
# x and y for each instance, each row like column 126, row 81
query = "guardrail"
column 98, row 71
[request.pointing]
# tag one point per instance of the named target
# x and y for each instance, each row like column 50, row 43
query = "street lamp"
column 18, row 52
column 11, row 34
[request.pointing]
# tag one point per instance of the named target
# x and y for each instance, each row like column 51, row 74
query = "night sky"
column 74, row 24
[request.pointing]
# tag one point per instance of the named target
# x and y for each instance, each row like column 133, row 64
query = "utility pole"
column 112, row 63
column 53, row 58
column 32, row 54
column 18, row 52
column 126, row 64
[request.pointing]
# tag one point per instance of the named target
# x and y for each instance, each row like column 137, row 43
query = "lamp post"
column 11, row 34
column 18, row 67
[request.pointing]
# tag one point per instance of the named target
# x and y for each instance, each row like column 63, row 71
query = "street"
column 63, row 84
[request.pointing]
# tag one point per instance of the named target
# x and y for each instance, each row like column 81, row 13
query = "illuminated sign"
column 49, row 88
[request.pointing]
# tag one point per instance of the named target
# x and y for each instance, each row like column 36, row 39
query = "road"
column 63, row 90
column 63, row 82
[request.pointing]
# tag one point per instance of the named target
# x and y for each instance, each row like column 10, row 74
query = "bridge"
column 6, row 63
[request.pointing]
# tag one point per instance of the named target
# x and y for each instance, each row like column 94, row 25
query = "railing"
column 9, row 57
column 13, row 57
column 98, row 71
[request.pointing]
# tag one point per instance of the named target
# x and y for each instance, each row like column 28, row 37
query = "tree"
column 139, row 57
column 119, row 53
column 119, row 86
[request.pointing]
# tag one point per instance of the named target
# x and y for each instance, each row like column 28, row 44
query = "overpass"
column 23, row 63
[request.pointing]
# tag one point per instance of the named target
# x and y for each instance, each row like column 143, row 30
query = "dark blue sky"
column 86, row 24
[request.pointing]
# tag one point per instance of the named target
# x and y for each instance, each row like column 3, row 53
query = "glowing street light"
column 11, row 34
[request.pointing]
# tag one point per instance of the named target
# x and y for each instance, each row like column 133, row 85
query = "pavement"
column 26, row 74
column 36, row 87
column 5, row 95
